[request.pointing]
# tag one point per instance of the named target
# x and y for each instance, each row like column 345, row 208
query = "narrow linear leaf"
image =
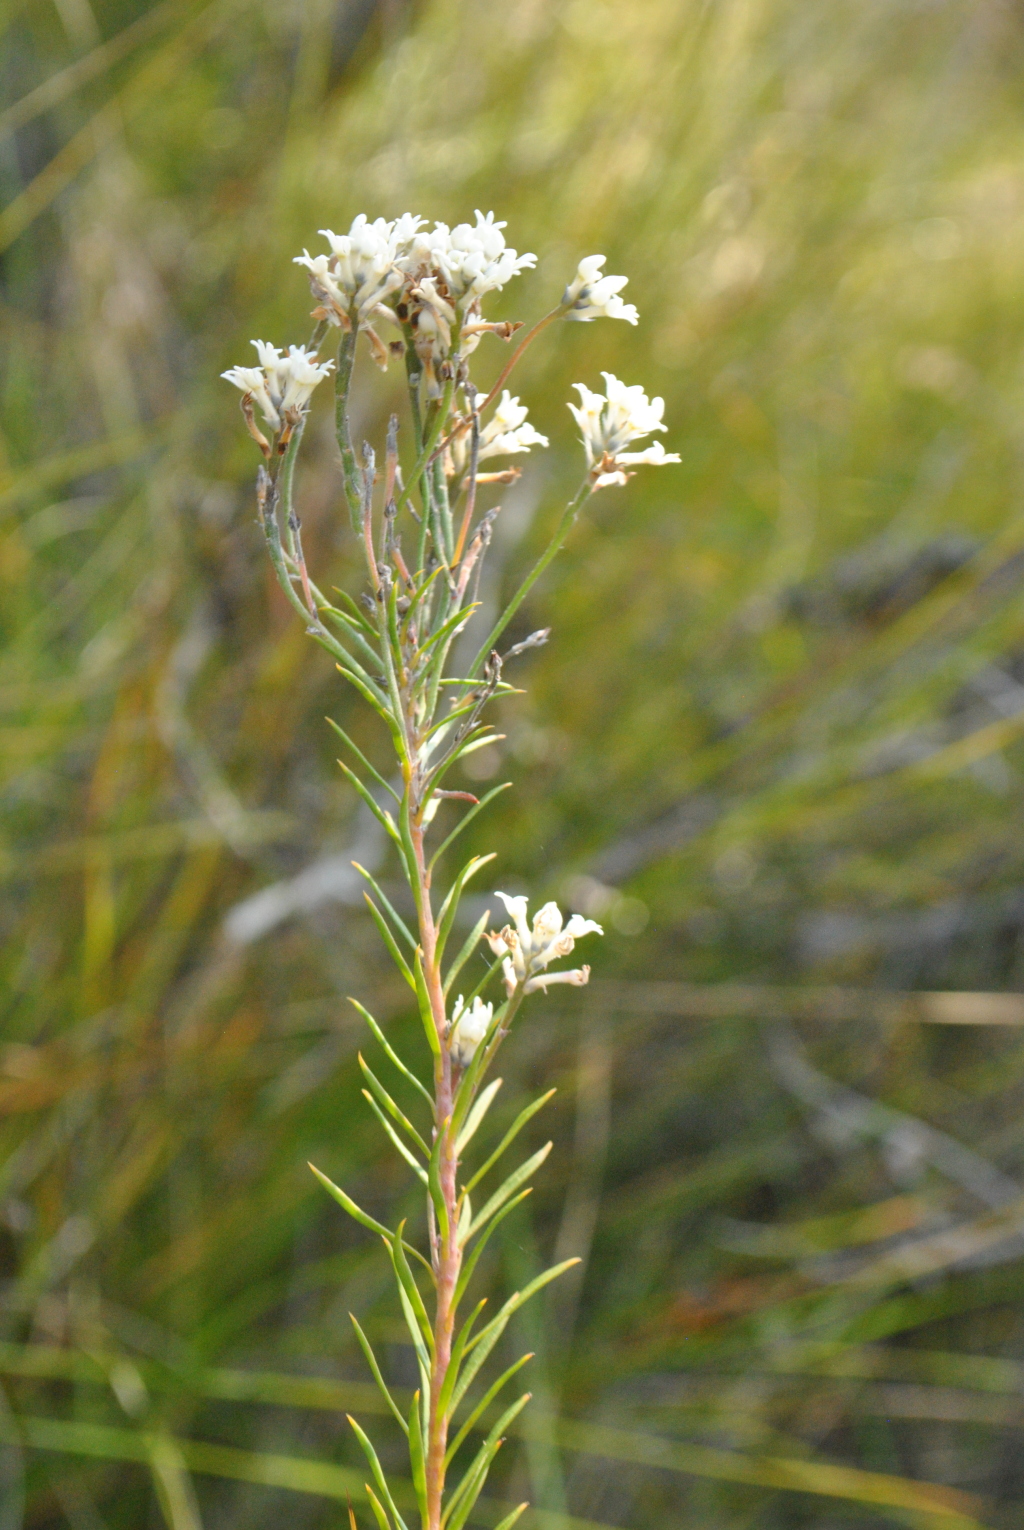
column 378, row 1475
column 458, row 1348
column 396, row 1140
column 471, row 1263
column 408, row 849
column 369, row 692
column 381, row 814
column 469, row 1488
column 350, row 1206
column 390, row 1106
column 371, row 1361
column 466, row 819
column 510, row 1519
column 465, row 1217
column 509, row 1187
column 361, row 1216
column 361, row 757
column 416, row 1455
column 472, row 941
column 510, row 1136
column 411, row 1289
column 434, row 1185
column 426, row 1013
column 391, row 1053
column 484, row 1404
column 393, row 915
column 389, row 940
column 520, row 1298
column 356, row 611
column 450, row 906
column 379, row 1512
column 463, row 615
column 476, row 1115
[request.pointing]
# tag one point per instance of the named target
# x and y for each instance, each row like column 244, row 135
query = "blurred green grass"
column 776, row 739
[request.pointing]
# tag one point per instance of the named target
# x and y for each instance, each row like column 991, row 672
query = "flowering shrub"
column 427, row 288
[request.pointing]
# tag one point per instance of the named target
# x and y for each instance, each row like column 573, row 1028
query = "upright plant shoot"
column 424, row 533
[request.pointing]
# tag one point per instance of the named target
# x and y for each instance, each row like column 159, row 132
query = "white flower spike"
column 526, row 952
column 282, row 382
column 611, row 421
column 593, row 296
column 468, row 1029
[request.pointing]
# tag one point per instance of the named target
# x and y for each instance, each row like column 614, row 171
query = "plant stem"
column 447, row 1255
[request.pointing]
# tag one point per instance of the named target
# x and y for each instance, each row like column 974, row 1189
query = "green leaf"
column 412, row 1290
column 510, row 1519
column 409, row 850
column 361, row 1216
column 476, row 1115
column 434, row 1185
column 371, row 1361
column 450, row 906
column 509, row 1187
column 520, row 1298
column 509, row 1137
column 378, row 1475
column 426, row 1013
column 392, row 1054
column 390, row 1106
column 463, row 615
column 472, row 941
column 484, row 1404
column 361, row 757
column 381, row 814
column 468, row 1490
column 399, row 1145
column 396, row 918
column 414, row 1430
column 389, row 940
column 455, row 1362
column 357, row 612
column 379, row 1512
column 470, row 1265
column 467, row 818
column 350, row 1206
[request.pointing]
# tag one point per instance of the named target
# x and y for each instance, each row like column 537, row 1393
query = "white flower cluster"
column 526, row 951
column 362, row 268
column 593, row 296
column 282, row 382
column 448, row 268
column 471, row 259
column 507, row 433
column 468, row 1029
column 611, row 421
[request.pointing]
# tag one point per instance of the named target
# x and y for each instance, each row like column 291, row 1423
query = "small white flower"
column 472, row 259
column 578, row 977
column 362, row 268
column 468, row 1029
column 282, row 381
column 611, row 421
column 527, row 951
column 593, row 296
column 508, row 431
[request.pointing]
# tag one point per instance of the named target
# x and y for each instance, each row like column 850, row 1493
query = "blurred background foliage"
column 776, row 744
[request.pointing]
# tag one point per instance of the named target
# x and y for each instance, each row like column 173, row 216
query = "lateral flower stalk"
column 395, row 646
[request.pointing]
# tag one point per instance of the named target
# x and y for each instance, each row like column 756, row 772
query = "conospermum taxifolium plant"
column 423, row 530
